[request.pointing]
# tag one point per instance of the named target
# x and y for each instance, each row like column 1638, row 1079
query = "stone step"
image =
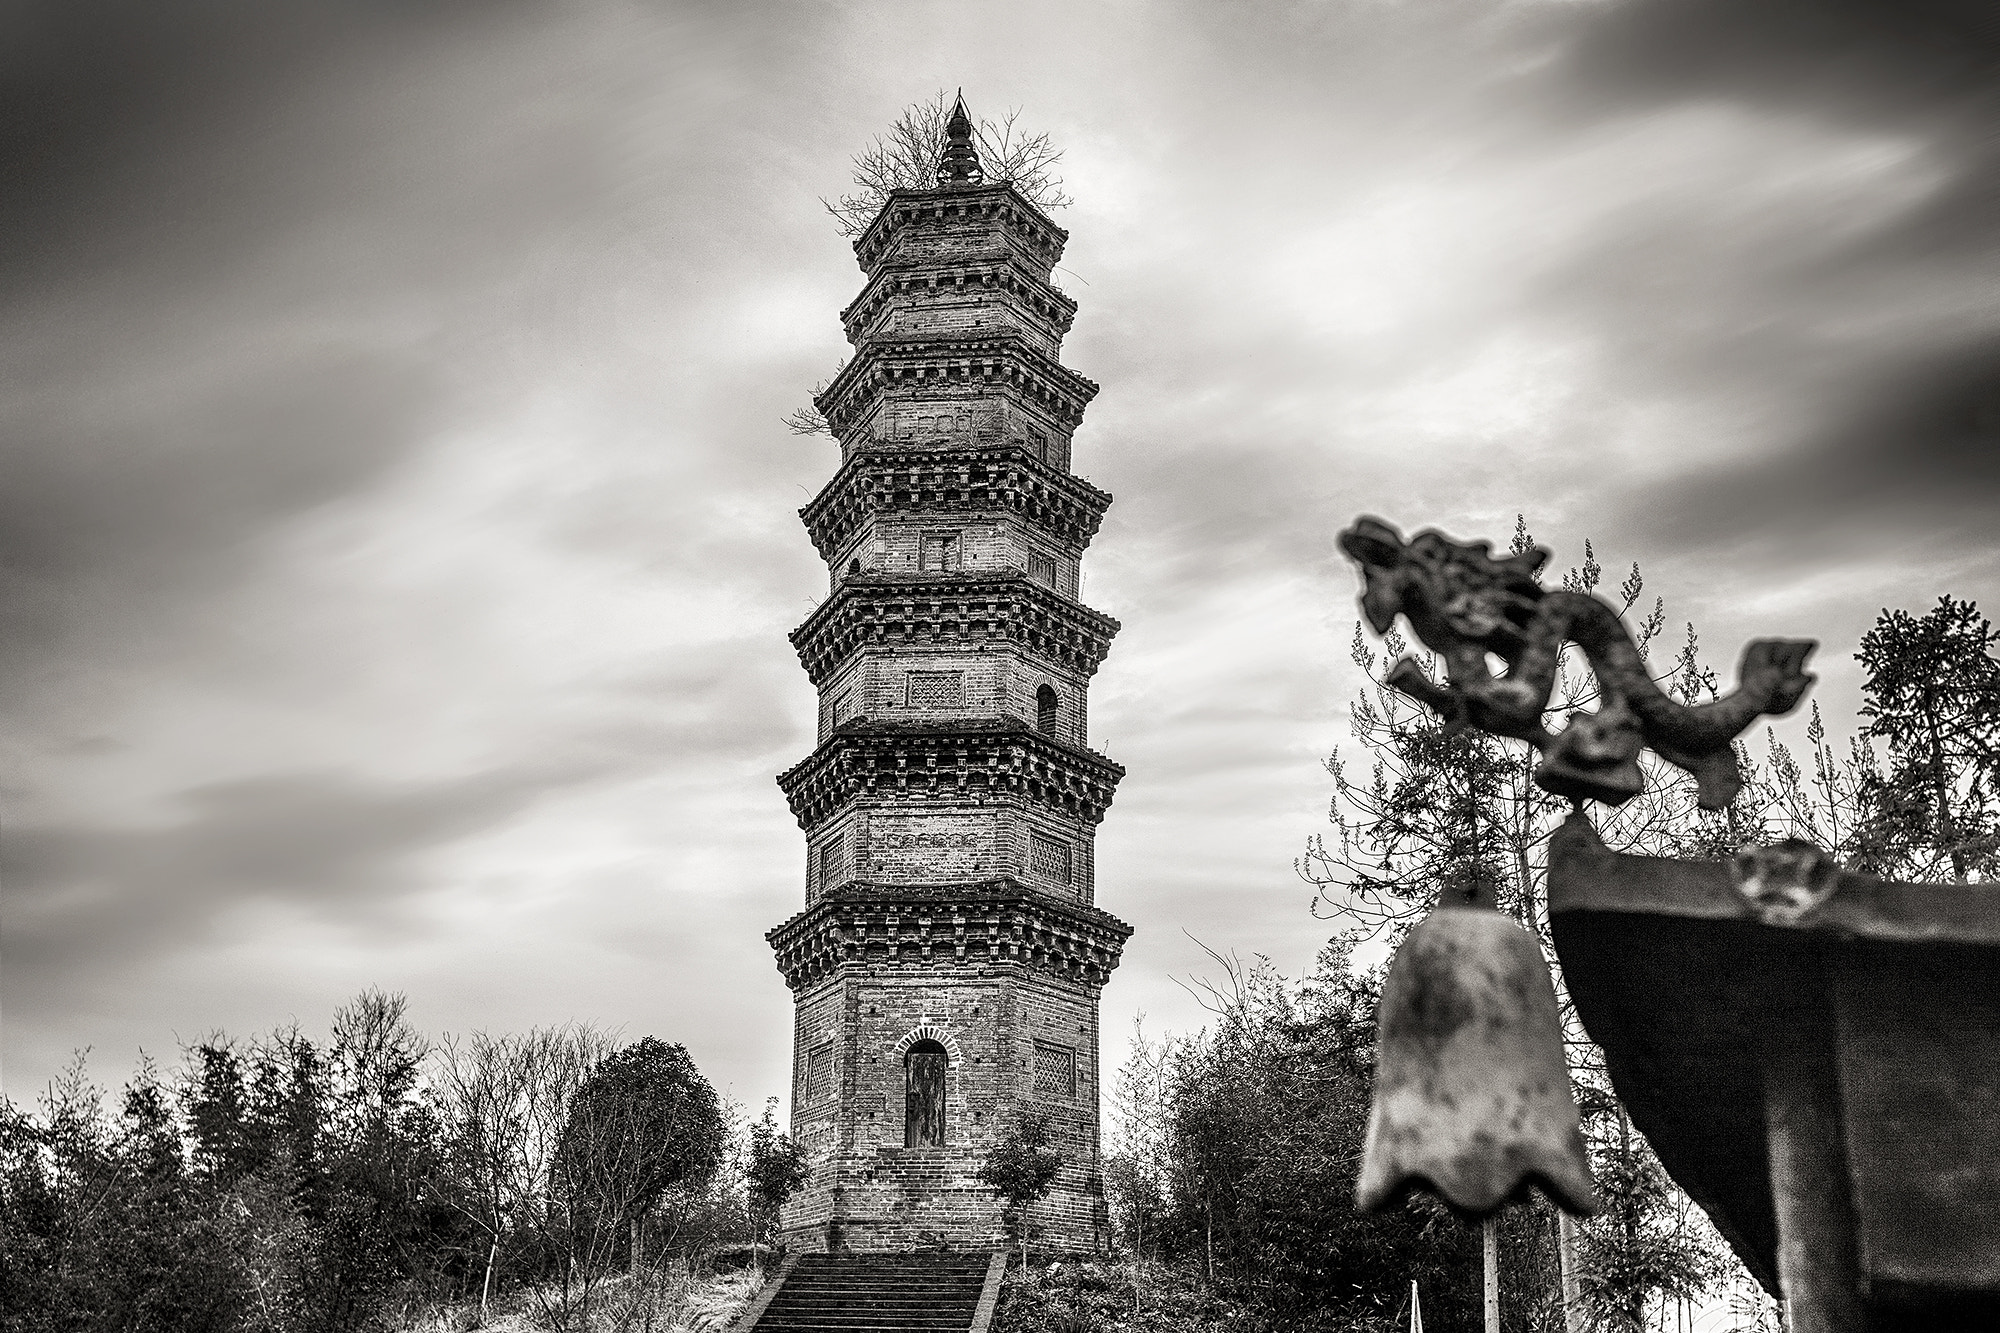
column 857, row 1292
column 774, row 1318
column 937, row 1315
column 889, row 1293
column 852, row 1316
column 891, row 1288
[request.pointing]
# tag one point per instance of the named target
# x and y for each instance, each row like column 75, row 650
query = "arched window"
column 923, row 1098
column 1045, row 710
column 854, row 566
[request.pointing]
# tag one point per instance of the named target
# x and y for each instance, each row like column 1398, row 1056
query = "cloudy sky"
column 398, row 537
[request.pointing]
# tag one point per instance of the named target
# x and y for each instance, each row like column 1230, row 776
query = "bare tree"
column 906, row 158
column 504, row 1103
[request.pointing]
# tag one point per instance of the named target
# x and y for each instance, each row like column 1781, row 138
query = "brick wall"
column 969, row 243
column 953, row 336
column 895, row 546
column 875, row 684
column 950, row 844
column 971, row 415
column 878, row 1194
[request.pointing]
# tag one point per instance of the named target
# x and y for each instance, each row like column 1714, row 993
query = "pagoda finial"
column 960, row 163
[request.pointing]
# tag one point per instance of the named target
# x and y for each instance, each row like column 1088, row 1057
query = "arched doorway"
column 1045, row 710
column 923, row 1098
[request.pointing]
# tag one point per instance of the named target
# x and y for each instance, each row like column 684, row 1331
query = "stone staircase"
column 879, row 1293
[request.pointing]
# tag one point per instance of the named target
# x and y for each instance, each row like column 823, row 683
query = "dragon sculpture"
column 1468, row 607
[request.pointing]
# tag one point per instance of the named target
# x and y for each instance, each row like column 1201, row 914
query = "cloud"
column 124, row 504
column 87, row 899
column 1910, row 443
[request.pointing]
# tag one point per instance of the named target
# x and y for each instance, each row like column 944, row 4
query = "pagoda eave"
column 996, row 923
column 1004, row 479
column 961, row 610
column 975, row 761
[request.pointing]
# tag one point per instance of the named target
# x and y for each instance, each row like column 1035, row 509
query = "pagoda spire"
column 960, row 163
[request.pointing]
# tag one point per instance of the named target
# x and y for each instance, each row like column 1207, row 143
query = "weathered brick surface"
column 949, row 815
column 870, row 1192
column 990, row 682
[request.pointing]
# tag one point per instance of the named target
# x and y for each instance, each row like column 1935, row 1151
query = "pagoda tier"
column 979, row 292
column 919, row 225
column 919, row 764
column 993, row 479
column 890, row 611
column 999, row 922
column 902, row 371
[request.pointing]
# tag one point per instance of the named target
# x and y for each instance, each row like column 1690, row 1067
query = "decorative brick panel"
column 1055, row 1070
column 819, row 1074
column 935, row 689
column 1049, row 859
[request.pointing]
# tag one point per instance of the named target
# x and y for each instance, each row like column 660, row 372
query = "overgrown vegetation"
column 285, row 1185
column 906, row 157
column 1236, row 1156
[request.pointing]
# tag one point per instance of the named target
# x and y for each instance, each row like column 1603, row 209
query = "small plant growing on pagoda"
column 1021, row 1168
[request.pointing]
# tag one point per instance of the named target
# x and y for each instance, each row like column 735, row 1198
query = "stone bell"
column 1472, row 1096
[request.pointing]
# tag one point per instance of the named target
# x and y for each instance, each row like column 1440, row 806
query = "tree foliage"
column 775, row 1168
column 1021, row 1168
column 906, row 157
column 289, row 1185
column 1933, row 698
column 1928, row 808
column 1258, row 1138
column 644, row 1121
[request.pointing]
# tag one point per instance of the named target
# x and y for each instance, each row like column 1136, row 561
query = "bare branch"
column 906, row 158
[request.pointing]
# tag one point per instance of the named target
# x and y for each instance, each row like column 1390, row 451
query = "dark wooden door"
column 923, row 1113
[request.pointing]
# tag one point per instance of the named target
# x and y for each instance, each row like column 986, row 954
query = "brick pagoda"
column 947, row 965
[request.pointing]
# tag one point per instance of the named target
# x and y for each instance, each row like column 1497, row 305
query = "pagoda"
column 947, row 966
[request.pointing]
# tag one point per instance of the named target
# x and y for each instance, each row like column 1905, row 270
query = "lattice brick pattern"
column 819, row 1073
column 1049, row 858
column 1055, row 1070
column 936, row 689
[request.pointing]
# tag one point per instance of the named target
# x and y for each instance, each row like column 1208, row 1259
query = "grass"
column 657, row 1300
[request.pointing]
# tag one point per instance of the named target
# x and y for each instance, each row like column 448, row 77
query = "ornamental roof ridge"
column 873, row 452
column 984, row 728
column 894, row 269
column 899, row 612
column 1001, row 891
column 874, row 349
column 964, row 346
column 966, row 760
column 855, row 586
